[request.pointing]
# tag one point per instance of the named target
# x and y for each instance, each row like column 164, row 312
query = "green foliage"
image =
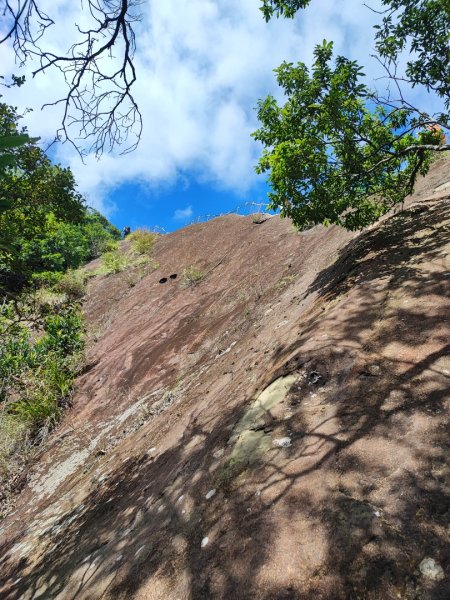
column 337, row 152
column 41, row 348
column 191, row 276
column 136, row 258
column 282, row 8
column 418, row 28
column 46, row 233
column 73, row 283
column 37, row 371
column 143, row 240
column 422, row 30
column 10, row 140
column 331, row 158
column 100, row 234
column 45, row 227
column 114, row 261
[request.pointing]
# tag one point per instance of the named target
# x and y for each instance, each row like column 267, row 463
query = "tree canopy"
column 45, row 225
column 338, row 152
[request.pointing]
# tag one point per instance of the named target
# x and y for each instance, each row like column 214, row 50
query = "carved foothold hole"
column 163, row 280
column 173, row 276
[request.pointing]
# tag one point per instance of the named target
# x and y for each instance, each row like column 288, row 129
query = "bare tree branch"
column 98, row 70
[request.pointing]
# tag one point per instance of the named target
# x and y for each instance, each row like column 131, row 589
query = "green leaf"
column 13, row 141
column 7, row 160
column 5, row 204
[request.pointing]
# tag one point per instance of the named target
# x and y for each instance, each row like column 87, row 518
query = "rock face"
column 304, row 380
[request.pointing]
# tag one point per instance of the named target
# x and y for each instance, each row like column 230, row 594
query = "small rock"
column 205, row 541
column 373, row 370
column 283, row 442
column 119, row 558
column 218, row 453
column 431, row 569
column 210, row 494
column 181, row 498
column 377, row 513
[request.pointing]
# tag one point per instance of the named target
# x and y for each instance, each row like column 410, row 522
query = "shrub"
column 114, row 261
column 36, row 371
column 143, row 240
column 191, row 276
column 141, row 266
column 48, row 300
column 46, row 278
column 63, row 333
column 73, row 283
column 109, row 246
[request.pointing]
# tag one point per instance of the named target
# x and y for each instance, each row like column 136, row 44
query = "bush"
column 73, row 283
column 191, row 276
column 114, row 261
column 143, row 240
column 140, row 267
column 46, row 278
column 36, row 371
column 48, row 300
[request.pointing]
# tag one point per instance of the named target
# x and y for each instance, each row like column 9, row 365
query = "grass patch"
column 136, row 260
column 73, row 283
column 143, row 240
column 140, row 267
column 192, row 276
column 12, row 435
column 114, row 261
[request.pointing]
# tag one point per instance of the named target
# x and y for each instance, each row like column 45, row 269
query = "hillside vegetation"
column 46, row 234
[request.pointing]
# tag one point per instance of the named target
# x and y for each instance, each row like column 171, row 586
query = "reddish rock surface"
column 348, row 489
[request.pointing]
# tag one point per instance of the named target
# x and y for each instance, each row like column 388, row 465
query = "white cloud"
column 183, row 214
column 202, row 65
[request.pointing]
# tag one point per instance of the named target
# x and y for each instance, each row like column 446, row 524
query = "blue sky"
column 202, row 65
column 176, row 206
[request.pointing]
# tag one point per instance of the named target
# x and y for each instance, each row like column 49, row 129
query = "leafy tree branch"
column 337, row 152
column 333, row 154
